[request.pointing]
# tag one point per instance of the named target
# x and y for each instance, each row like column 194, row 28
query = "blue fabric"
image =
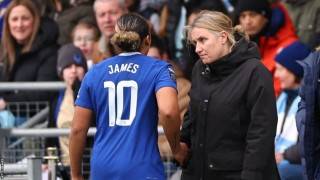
column 290, row 56
column 289, row 171
column 276, row 22
column 308, row 127
column 4, row 3
column 3, row 6
column 7, row 120
column 58, row 105
column 125, row 144
column 19, row 121
column 288, row 136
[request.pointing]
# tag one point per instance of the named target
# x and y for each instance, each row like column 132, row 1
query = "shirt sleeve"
column 84, row 94
column 166, row 78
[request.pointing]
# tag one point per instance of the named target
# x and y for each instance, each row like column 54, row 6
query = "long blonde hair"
column 8, row 41
column 215, row 21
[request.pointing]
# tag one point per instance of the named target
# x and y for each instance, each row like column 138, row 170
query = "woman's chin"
column 205, row 61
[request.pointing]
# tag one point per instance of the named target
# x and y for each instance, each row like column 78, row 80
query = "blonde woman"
column 231, row 124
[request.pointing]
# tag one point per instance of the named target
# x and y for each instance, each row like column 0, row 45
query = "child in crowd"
column 84, row 36
column 71, row 68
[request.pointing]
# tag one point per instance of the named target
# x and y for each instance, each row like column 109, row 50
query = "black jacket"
column 39, row 64
column 232, row 119
column 308, row 116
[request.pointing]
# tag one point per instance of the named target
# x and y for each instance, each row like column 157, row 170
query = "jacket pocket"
column 225, row 161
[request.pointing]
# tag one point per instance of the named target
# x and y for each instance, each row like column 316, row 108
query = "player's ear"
column 148, row 40
column 146, row 43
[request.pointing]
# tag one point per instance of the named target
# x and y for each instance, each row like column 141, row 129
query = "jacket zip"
column 205, row 159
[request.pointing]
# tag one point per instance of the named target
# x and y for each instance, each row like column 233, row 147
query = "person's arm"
column 79, row 129
column 261, row 131
column 169, row 114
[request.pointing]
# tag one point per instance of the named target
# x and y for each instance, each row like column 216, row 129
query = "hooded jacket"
column 308, row 116
column 39, row 64
column 279, row 34
column 231, row 123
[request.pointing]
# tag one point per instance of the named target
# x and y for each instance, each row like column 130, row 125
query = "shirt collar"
column 129, row 53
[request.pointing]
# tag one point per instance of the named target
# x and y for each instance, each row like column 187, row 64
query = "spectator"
column 156, row 12
column 269, row 26
column 231, row 123
column 106, row 12
column 29, row 49
column 127, row 102
column 71, row 68
column 305, row 15
column 289, row 73
column 155, row 4
column 47, row 8
column 189, row 57
column 133, row 5
column 84, row 35
column 308, row 122
column 153, row 16
column 177, row 12
column 150, row 12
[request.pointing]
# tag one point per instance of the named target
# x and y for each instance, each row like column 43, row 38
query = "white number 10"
column 115, row 118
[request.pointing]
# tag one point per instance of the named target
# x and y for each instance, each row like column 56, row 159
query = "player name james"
column 127, row 67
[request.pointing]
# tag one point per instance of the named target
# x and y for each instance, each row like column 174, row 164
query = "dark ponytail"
column 131, row 30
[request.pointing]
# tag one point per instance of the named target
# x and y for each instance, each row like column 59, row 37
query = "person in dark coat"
column 308, row 117
column 28, row 53
column 231, row 124
column 29, row 49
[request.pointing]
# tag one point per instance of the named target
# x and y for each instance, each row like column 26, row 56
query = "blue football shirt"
column 121, row 92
